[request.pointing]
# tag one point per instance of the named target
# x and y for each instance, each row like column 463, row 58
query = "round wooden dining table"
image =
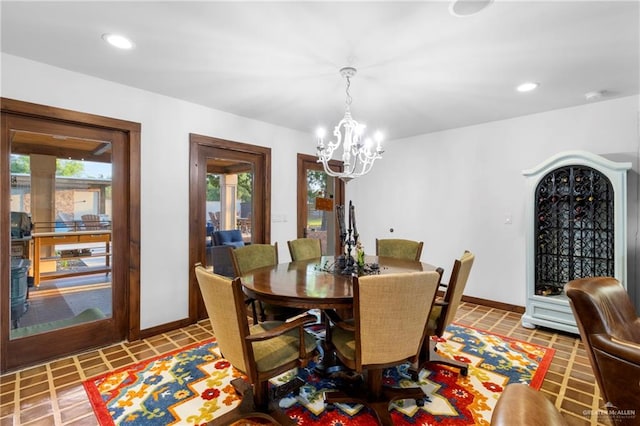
column 312, row 284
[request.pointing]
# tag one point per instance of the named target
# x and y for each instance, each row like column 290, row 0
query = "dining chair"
column 254, row 256
column 304, row 248
column 443, row 313
column 610, row 331
column 399, row 248
column 390, row 313
column 92, row 222
column 261, row 351
column 215, row 220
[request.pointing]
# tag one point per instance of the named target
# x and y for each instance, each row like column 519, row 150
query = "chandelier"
column 358, row 153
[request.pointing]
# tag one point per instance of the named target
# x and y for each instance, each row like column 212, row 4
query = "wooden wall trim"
column 493, row 304
column 164, row 328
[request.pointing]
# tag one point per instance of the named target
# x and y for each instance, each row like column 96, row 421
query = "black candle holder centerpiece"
column 346, row 264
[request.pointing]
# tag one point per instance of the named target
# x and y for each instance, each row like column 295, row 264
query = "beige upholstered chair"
column 610, row 331
column 522, row 405
column 399, row 248
column 261, row 351
column 444, row 311
column 254, row 256
column 390, row 313
column 304, row 248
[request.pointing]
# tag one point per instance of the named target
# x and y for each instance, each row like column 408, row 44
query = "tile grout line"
column 16, row 401
column 457, row 318
column 504, row 316
column 83, row 378
column 104, row 358
column 475, row 323
column 131, row 354
column 173, row 342
column 191, row 334
column 510, row 332
column 79, row 368
column 55, row 407
column 595, row 405
column 565, row 376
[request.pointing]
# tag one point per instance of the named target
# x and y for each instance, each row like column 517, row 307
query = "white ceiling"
column 420, row 69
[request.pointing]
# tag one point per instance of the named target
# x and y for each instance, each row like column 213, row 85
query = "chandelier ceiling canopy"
column 358, row 151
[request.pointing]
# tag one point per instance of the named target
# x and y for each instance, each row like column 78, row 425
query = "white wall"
column 451, row 189
column 454, row 189
column 166, row 124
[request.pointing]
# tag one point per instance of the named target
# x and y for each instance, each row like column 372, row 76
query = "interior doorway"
column 230, row 191
column 68, row 229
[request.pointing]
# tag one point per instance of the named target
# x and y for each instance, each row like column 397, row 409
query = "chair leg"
column 254, row 313
column 435, row 358
column 379, row 408
column 374, row 383
column 285, row 389
column 263, row 316
column 260, row 395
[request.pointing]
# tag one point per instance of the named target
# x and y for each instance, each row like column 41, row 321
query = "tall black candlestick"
column 340, row 217
column 353, row 219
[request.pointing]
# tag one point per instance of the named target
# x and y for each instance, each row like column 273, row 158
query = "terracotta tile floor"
column 52, row 393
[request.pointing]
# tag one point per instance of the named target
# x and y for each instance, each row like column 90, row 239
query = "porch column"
column 228, row 196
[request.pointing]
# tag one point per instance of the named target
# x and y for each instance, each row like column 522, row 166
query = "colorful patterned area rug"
column 191, row 386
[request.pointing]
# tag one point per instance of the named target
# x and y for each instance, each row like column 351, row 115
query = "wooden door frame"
column 261, row 204
column 303, row 163
column 20, row 352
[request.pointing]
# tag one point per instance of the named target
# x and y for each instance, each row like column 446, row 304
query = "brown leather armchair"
column 610, row 331
column 522, row 405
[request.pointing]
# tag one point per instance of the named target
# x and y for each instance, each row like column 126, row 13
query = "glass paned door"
column 81, row 274
column 318, row 196
column 61, row 245
column 320, row 223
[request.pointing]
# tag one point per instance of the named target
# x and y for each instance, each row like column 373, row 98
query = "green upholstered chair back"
column 224, row 301
column 391, row 312
column 304, row 248
column 399, row 248
column 455, row 289
column 254, row 256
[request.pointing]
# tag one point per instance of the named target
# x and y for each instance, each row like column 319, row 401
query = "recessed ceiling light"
column 119, row 41
column 527, row 87
column 463, row 8
column 595, row 95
